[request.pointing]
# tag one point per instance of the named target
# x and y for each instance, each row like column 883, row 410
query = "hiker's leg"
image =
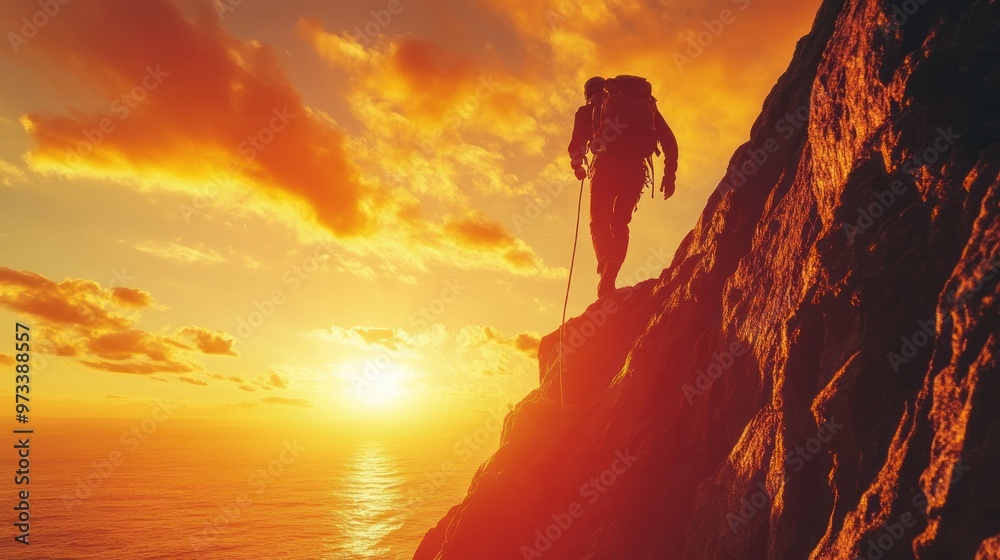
column 602, row 191
column 633, row 181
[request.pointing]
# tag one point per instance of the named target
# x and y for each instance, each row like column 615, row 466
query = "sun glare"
column 378, row 385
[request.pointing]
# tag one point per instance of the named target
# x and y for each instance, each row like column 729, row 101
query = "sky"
column 356, row 212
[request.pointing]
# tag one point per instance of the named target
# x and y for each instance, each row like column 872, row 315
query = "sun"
column 379, row 385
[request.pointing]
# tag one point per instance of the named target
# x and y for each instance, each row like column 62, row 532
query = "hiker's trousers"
column 615, row 189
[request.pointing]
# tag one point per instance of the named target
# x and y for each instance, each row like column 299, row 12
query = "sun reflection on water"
column 368, row 505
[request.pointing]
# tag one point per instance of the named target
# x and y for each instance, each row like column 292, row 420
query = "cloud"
column 484, row 337
column 170, row 101
column 438, row 124
column 96, row 326
column 288, row 402
column 194, row 381
column 418, row 100
column 131, row 297
column 209, row 342
column 11, row 174
column 527, row 343
column 482, row 234
column 243, row 404
column 475, row 105
column 277, row 381
column 70, row 302
column 138, row 368
column 177, row 252
column 182, row 101
column 273, row 380
column 390, row 339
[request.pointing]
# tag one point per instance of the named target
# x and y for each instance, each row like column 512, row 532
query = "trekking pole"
column 572, row 262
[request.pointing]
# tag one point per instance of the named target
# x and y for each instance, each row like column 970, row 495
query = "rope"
column 651, row 175
column 652, row 181
column 572, row 262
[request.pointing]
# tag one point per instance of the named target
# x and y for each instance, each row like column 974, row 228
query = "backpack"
column 625, row 122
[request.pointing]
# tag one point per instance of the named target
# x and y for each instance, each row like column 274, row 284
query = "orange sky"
column 320, row 211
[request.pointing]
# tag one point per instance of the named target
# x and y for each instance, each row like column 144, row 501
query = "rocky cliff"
column 815, row 375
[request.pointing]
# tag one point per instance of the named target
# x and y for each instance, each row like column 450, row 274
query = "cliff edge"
column 815, row 375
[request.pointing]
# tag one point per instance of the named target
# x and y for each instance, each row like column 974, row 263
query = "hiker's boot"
column 609, row 272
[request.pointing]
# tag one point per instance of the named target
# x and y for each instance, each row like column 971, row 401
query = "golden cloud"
column 390, row 339
column 484, row 336
column 180, row 253
column 193, row 381
column 96, row 326
column 487, row 113
column 178, row 102
column 209, row 342
column 272, row 380
column 183, row 100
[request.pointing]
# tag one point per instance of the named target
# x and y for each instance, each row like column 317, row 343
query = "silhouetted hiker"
column 621, row 126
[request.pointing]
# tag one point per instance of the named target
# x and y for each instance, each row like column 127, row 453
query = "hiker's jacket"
column 583, row 133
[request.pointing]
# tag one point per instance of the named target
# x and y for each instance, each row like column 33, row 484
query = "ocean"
column 194, row 489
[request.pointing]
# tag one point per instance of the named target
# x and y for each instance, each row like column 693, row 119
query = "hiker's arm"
column 582, row 126
column 665, row 137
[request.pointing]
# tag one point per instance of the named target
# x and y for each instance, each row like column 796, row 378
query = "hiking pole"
column 572, row 262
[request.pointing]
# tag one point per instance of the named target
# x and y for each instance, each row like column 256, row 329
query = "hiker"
column 622, row 127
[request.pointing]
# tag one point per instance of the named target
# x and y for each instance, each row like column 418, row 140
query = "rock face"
column 815, row 375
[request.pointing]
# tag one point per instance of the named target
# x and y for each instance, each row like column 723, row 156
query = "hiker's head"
column 593, row 88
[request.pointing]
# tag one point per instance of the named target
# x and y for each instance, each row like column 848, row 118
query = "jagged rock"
column 815, row 375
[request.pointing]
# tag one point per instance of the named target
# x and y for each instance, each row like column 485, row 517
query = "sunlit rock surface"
column 815, row 375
